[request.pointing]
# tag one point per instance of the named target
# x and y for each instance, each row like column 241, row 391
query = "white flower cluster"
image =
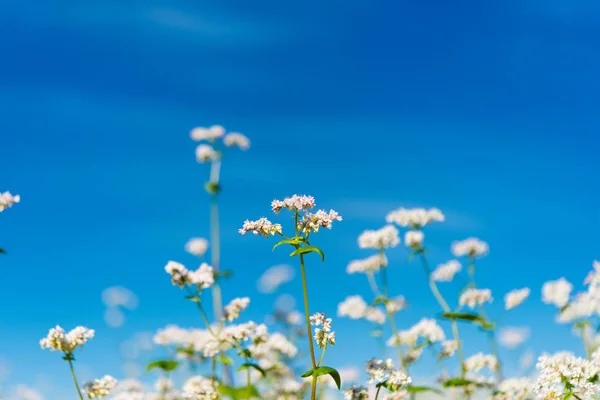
column 321, row 219
column 557, row 292
column 197, row 246
column 356, row 393
column 515, row 298
column 383, row 371
column 426, row 328
column 475, row 297
column 206, row 152
column 471, row 247
column 7, row 200
column 370, row 264
column 511, row 337
column 414, row 239
column 355, row 307
column 235, row 307
column 378, row 239
column 445, row 272
column 200, row 388
column 203, row 277
column 59, row 340
column 449, row 347
column 478, row 361
column 415, row 218
column 563, row 373
column 99, row 388
column 261, row 226
column 514, row 389
column 293, row 203
column 323, row 334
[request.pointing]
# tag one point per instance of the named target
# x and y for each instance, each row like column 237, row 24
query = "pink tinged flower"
column 261, row 226
column 203, row 277
column 205, row 153
column 7, row 200
column 235, row 139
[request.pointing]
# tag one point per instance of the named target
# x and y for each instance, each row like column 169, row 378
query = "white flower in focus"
column 471, row 247
column 353, row 307
column 261, row 226
column 237, row 139
column 392, row 306
column 367, row 265
column 475, row 297
column 356, row 393
column 7, row 200
column 564, row 370
column 397, row 380
column 515, row 298
column 415, row 218
column 380, row 238
column 179, row 273
column 379, row 370
column 321, row 219
column 200, row 388
column 100, row 388
column 449, row 347
column 26, row 393
column 414, row 239
column 511, row 338
column 557, row 292
column 274, row 277
column 233, row 309
column 203, row 277
column 293, row 203
column 479, row 361
column 323, row 335
column 205, row 153
column 59, row 340
column 375, row 315
column 211, row 134
column 445, row 272
column 514, row 389
column 197, row 246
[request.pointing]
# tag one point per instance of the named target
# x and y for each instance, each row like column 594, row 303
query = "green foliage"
column 252, row 365
column 297, row 241
column 325, row 371
column 193, row 298
column 244, row 392
column 308, row 250
column 421, row 389
column 165, row 365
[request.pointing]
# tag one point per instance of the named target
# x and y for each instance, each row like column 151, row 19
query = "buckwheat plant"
column 67, row 343
column 305, row 224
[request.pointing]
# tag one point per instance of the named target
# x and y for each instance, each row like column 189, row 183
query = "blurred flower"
column 414, row 239
column 7, row 200
column 514, row 389
column 114, row 317
column 380, row 238
column 24, row 392
column 235, row 306
column 475, row 297
column 356, row 393
column 415, row 218
column 274, row 277
column 237, row 139
column 445, row 272
column 375, row 315
column 197, row 246
column 59, row 340
column 100, row 388
column 512, row 338
column 203, row 277
column 515, row 298
column 471, row 247
column 205, row 153
column 353, row 307
column 557, row 292
column 211, row 134
column 367, row 265
column 526, row 359
column 118, row 296
column 479, row 361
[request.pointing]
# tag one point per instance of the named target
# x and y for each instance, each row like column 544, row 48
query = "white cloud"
column 274, row 277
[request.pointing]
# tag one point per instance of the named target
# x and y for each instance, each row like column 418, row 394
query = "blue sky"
column 487, row 110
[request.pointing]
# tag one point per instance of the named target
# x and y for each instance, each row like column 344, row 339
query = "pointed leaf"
column 307, row 373
column 246, row 392
column 308, row 250
column 223, row 359
column 252, row 365
column 419, row 389
column 195, row 299
column 457, row 382
column 165, row 365
column 292, row 241
column 331, row 372
column 469, row 317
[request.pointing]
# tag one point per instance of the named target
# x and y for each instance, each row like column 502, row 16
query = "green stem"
column 322, row 355
column 446, row 308
column 74, row 377
column 214, row 368
column 249, row 384
column 377, row 393
column 308, row 330
column 205, row 319
column 585, row 338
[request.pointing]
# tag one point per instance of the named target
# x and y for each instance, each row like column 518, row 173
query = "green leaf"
column 223, row 359
column 2, row 251
column 252, row 365
column 307, row 373
column 227, row 391
column 195, row 299
column 245, row 353
column 462, row 316
column 293, row 241
column 185, row 350
column 331, row 372
column 420, row 389
column 308, row 250
column 212, row 187
column 457, row 382
column 165, row 365
column 569, row 395
column 247, row 392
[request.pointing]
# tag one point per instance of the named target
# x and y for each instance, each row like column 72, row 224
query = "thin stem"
column 308, row 330
column 249, row 381
column 586, row 345
column 74, row 377
column 377, row 393
column 446, row 308
column 373, row 284
column 214, row 368
column 205, row 319
column 322, row 355
column 215, row 255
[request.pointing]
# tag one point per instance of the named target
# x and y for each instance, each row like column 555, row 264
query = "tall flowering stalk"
column 305, row 223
